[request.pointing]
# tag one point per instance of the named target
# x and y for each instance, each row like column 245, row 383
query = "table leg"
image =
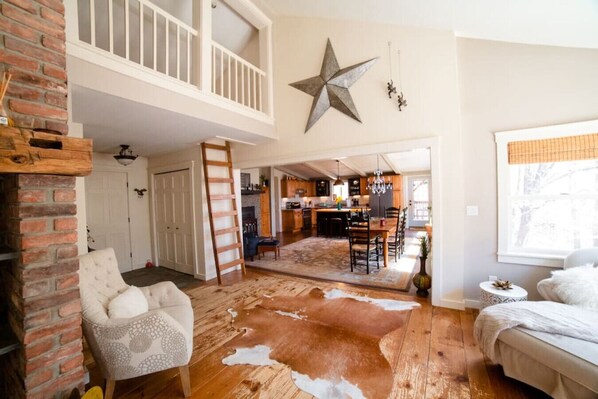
column 385, row 248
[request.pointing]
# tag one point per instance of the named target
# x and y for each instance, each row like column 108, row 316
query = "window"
column 547, row 192
column 341, row 191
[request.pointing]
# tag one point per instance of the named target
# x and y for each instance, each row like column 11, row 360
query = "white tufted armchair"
column 154, row 341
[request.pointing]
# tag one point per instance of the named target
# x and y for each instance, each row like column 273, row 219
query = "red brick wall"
column 42, row 286
column 32, row 49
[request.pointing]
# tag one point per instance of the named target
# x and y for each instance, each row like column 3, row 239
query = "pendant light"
column 125, row 156
column 338, row 181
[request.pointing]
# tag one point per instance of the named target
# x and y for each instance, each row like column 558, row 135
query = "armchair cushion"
column 129, row 303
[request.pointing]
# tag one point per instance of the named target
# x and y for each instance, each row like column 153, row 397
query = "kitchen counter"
column 340, row 210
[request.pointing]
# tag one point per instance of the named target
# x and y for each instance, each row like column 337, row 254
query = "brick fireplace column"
column 42, row 287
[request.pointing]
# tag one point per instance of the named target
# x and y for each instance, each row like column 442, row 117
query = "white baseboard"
column 472, row 303
column 452, row 304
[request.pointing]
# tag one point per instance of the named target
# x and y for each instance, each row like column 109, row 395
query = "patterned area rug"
column 328, row 259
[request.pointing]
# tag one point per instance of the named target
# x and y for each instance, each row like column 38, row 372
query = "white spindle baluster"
column 111, row 25
column 236, row 80
column 92, row 20
column 178, row 52
column 167, row 57
column 243, row 84
column 213, row 69
column 155, row 15
column 188, row 57
column 228, row 73
column 221, row 73
column 254, row 89
column 260, row 89
column 127, row 29
column 141, row 23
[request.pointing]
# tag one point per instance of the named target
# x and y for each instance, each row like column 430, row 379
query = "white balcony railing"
column 147, row 36
column 140, row 32
column 236, row 79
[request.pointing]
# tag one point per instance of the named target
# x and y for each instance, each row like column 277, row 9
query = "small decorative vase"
column 338, row 206
column 422, row 280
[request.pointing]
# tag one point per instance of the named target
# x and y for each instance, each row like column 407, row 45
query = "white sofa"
column 562, row 366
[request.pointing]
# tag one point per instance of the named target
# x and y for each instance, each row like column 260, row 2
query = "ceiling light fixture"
column 338, row 181
column 125, row 156
column 378, row 186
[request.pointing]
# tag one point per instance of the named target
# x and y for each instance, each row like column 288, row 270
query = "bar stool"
column 335, row 225
column 322, row 229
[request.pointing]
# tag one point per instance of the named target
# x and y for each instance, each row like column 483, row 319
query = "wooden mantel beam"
column 28, row 151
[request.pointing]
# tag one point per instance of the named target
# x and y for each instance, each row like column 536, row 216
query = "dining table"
column 389, row 227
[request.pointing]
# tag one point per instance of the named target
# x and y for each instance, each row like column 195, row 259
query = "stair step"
column 217, row 215
column 217, row 197
column 234, row 263
column 215, row 147
column 229, row 247
column 226, row 231
column 220, row 180
column 219, row 163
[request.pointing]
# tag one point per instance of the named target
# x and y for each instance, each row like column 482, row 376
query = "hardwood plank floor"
column 437, row 359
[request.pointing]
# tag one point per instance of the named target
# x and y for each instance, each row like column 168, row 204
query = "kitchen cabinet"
column 397, row 191
column 354, row 186
column 363, row 186
column 288, row 188
column 322, row 188
column 292, row 220
column 266, row 229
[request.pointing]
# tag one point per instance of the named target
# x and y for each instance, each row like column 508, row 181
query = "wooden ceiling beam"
column 351, row 165
column 394, row 168
column 321, row 170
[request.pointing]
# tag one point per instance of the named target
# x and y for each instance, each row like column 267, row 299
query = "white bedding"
column 549, row 317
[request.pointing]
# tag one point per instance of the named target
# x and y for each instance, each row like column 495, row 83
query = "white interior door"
column 107, row 203
column 174, row 220
column 419, row 200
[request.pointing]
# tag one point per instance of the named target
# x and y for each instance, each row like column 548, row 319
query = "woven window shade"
column 571, row 148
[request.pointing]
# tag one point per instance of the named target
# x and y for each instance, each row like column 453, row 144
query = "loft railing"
column 139, row 34
column 236, row 79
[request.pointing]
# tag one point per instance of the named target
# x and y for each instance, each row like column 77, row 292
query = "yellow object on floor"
column 94, row 393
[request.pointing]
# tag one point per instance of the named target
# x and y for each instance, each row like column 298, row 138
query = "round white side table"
column 491, row 295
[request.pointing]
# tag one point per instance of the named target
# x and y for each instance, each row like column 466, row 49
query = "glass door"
column 419, row 201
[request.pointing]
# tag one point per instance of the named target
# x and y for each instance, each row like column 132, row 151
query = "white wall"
column 507, row 86
column 138, row 207
column 429, row 74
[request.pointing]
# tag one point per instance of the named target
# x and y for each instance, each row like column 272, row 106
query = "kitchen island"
column 333, row 221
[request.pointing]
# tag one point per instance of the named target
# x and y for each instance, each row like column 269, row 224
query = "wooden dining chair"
column 363, row 246
column 401, row 229
column 394, row 241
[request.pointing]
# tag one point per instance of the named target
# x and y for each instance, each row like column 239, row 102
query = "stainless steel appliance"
column 379, row 203
column 293, row 205
column 306, row 218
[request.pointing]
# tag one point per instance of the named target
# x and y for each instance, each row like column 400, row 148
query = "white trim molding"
column 502, row 139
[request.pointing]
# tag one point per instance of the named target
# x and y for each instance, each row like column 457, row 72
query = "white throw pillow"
column 129, row 303
column 577, row 286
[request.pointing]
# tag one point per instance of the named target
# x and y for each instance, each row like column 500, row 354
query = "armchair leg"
column 109, row 389
column 185, row 380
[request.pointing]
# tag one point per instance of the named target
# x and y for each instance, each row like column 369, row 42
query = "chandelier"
column 378, row 186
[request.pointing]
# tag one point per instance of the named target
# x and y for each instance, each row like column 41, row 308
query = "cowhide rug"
column 330, row 340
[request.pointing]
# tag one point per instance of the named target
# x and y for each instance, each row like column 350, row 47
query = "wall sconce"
column 125, row 156
column 390, row 87
column 140, row 192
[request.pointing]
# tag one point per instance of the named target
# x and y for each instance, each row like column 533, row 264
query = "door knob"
column 177, row 228
column 168, row 227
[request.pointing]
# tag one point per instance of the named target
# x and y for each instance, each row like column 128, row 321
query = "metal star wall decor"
column 331, row 87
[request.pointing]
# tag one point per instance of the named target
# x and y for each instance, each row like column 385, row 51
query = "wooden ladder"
column 235, row 246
